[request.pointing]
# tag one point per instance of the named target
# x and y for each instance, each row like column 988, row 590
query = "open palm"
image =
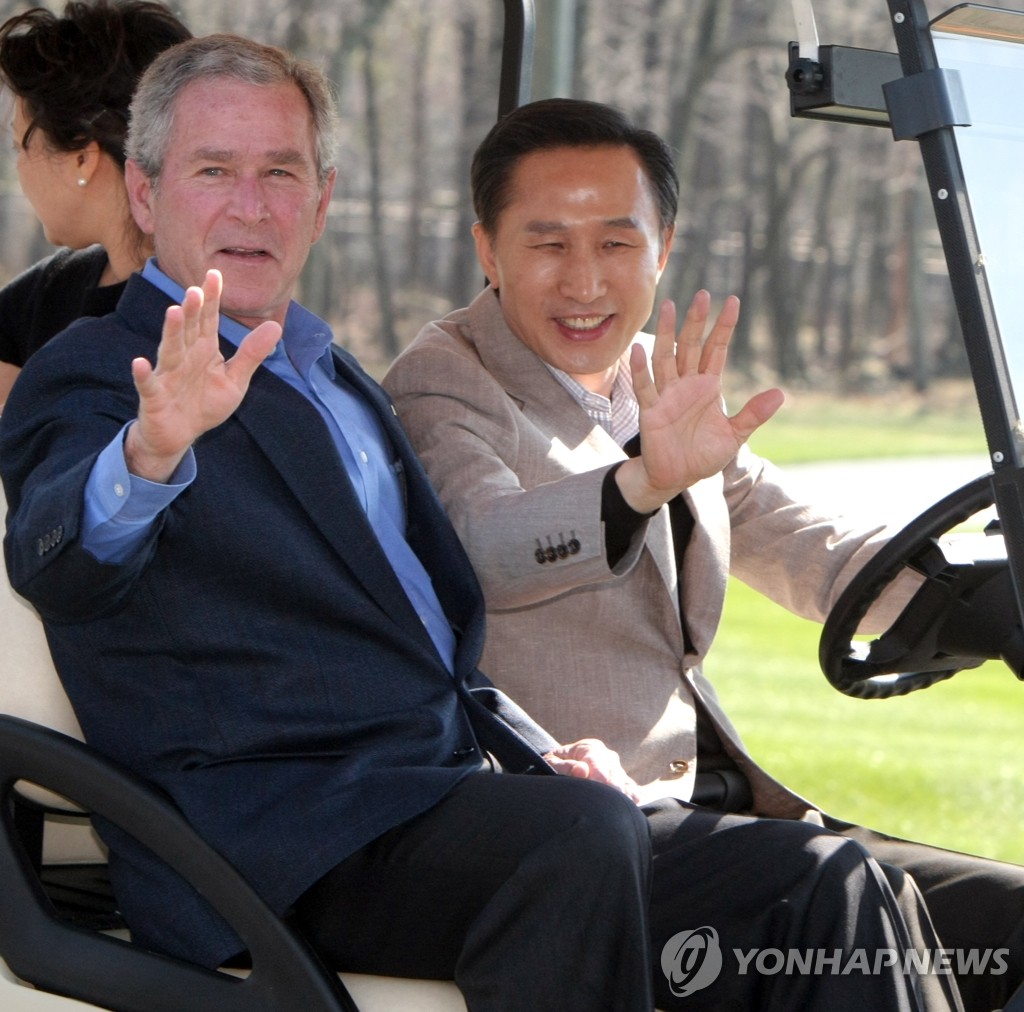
column 192, row 388
column 685, row 433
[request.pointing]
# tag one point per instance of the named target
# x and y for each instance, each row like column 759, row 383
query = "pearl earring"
column 82, row 182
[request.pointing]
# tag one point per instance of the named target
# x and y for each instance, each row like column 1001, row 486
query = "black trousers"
column 801, row 915
column 528, row 891
column 976, row 905
column 550, row 893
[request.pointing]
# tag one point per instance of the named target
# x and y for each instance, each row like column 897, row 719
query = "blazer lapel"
column 319, row 481
column 429, row 532
column 321, row 484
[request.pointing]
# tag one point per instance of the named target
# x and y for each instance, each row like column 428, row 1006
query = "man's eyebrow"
column 285, row 156
column 544, row 227
column 213, row 155
column 627, row 222
column 538, row 227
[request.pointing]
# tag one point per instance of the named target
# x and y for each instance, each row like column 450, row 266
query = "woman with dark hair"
column 72, row 78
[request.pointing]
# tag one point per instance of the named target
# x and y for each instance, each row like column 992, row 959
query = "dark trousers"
column 791, row 904
column 529, row 891
column 548, row 893
column 976, row 905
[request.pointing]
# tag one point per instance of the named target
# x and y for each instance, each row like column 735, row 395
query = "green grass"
column 815, row 426
column 944, row 765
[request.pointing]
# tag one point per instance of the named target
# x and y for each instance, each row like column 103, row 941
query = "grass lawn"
column 944, row 765
column 814, row 426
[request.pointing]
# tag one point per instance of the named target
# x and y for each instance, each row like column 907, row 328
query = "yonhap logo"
column 691, row 960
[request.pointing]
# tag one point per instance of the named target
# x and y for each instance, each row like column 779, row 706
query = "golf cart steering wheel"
column 963, row 614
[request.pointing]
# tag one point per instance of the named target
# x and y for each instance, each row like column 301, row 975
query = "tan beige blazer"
column 586, row 649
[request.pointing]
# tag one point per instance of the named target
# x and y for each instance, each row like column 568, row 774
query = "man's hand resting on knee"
column 591, row 759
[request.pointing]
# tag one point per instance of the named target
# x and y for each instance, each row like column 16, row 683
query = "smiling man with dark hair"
column 604, row 502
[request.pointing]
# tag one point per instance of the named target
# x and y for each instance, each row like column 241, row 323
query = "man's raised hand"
column 192, row 388
column 685, row 434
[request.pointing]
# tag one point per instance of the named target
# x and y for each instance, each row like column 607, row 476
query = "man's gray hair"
column 230, row 56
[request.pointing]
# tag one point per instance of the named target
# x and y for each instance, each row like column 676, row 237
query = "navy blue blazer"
column 257, row 659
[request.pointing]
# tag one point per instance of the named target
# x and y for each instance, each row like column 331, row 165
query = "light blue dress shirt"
column 120, row 507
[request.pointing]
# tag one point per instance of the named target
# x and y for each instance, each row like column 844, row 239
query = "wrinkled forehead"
column 226, row 107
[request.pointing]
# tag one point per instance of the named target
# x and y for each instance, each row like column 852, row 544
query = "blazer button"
column 678, row 768
column 464, row 752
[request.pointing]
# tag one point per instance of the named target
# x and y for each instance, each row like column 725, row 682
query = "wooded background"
column 823, row 230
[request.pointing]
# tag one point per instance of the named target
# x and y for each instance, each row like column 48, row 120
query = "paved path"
column 893, row 490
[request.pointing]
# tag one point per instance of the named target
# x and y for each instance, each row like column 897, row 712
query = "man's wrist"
column 638, row 493
column 143, row 463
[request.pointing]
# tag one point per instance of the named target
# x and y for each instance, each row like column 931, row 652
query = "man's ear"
column 323, row 204
column 140, row 196
column 485, row 254
column 667, row 236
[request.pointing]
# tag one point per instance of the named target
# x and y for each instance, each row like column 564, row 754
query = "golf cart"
column 60, row 942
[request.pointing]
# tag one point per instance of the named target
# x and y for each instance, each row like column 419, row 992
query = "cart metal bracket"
column 927, row 101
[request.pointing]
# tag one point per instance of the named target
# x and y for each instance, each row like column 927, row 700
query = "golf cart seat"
column 60, row 934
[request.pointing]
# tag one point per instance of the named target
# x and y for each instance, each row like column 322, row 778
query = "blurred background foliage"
column 822, row 229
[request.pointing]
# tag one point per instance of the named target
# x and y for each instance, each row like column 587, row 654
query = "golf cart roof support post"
column 516, row 55
column 948, row 190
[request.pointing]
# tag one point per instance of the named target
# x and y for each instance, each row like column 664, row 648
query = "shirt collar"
column 618, row 414
column 306, row 337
